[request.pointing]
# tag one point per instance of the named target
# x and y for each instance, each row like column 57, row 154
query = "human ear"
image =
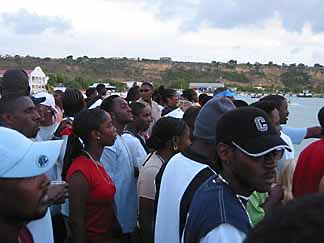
column 7, row 119
column 175, row 142
column 95, row 135
column 224, row 152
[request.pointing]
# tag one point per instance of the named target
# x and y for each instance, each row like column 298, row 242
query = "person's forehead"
column 146, row 109
column 120, row 101
column 107, row 118
column 43, row 107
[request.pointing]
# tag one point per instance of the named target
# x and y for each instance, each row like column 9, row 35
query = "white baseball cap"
column 49, row 99
column 21, row 157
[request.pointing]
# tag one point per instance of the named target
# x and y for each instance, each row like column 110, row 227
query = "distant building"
column 165, row 59
column 205, row 87
column 37, row 79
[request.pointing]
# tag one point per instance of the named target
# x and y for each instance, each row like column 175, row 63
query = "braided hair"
column 73, row 102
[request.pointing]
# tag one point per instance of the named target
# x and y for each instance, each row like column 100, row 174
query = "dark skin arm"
column 314, row 132
column 276, row 195
column 146, row 217
column 79, row 190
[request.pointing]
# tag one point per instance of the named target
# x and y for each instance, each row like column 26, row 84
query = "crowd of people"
column 155, row 166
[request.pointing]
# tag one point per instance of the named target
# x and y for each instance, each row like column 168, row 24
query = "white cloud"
column 132, row 28
column 23, row 22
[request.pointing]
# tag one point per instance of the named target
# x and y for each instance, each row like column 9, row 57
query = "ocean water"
column 302, row 113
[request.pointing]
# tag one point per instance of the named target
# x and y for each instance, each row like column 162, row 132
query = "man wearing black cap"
column 247, row 146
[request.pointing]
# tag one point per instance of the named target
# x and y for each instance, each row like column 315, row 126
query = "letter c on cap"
column 261, row 124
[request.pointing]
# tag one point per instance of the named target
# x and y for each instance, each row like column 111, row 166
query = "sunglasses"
column 272, row 155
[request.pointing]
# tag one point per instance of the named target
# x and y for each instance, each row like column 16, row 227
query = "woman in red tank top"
column 91, row 190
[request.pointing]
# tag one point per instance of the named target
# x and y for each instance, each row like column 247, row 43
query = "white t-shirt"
column 225, row 233
column 42, row 229
column 287, row 155
column 46, row 133
column 96, row 104
column 135, row 149
column 178, row 174
column 177, row 113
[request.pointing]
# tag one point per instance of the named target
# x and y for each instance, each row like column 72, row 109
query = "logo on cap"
column 42, row 161
column 261, row 124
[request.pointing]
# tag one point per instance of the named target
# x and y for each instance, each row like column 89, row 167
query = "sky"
column 281, row 31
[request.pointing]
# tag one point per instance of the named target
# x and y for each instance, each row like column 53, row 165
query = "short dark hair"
column 190, row 115
column 132, row 94
column 90, row 91
column 188, row 94
column 267, row 106
column 203, row 99
column 164, row 130
column 15, row 83
column 100, row 87
column 276, row 99
column 219, row 90
column 108, row 103
column 137, row 108
column 240, row 103
column 58, row 92
column 148, row 84
column 73, row 102
column 299, row 221
column 320, row 117
column 166, row 93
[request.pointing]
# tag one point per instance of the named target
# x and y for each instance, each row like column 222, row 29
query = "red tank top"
column 100, row 214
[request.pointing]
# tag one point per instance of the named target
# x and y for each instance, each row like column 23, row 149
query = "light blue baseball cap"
column 225, row 93
column 20, row 157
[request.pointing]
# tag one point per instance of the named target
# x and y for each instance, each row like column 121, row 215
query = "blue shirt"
column 120, row 167
column 297, row 135
column 213, row 205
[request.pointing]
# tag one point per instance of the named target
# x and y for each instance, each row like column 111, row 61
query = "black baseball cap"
column 250, row 130
column 38, row 100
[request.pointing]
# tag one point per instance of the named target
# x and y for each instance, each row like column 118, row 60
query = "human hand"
column 57, row 192
column 276, row 195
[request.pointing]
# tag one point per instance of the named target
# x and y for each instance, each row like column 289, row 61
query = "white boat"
column 305, row 94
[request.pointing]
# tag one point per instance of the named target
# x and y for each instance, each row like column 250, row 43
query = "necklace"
column 90, row 157
column 97, row 164
column 238, row 198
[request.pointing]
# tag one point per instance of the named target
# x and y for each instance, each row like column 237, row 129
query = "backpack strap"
column 186, row 199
